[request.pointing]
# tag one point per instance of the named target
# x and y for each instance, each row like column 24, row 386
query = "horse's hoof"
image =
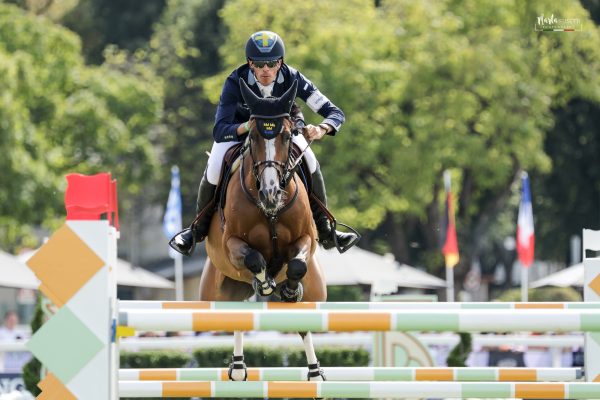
column 315, row 373
column 237, row 369
column 290, row 295
column 265, row 288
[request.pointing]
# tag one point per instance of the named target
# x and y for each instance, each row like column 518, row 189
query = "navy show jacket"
column 231, row 111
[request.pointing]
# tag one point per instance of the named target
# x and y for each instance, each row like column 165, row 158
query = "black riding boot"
column 185, row 241
column 324, row 228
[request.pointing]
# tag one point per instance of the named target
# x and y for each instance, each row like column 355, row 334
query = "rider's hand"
column 241, row 130
column 312, row 132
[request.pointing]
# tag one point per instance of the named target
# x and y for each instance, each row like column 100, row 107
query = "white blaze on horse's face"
column 270, row 191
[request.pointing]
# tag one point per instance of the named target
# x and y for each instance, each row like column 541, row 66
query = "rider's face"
column 265, row 75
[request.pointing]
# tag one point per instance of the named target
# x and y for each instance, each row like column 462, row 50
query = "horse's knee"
column 296, row 269
column 254, row 261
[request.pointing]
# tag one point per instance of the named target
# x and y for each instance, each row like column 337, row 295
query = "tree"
column 183, row 51
column 426, row 87
column 59, row 116
column 127, row 24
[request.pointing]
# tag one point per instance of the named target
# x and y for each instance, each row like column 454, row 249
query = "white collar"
column 267, row 90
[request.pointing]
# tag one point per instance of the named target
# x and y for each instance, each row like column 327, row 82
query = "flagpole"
column 450, row 255
column 179, row 277
column 525, row 235
column 449, row 284
column 524, row 283
column 171, row 225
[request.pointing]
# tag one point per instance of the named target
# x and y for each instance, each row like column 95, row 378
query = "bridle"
column 285, row 172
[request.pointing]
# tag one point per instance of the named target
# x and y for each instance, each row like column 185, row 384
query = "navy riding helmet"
column 264, row 46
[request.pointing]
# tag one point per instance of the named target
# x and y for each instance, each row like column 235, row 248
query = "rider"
column 266, row 74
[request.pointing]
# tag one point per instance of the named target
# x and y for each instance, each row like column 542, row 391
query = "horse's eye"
column 287, row 136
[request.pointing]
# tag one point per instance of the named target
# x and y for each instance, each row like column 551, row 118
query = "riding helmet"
column 264, row 46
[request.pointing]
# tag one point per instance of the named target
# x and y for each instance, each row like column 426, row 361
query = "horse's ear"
column 287, row 99
column 249, row 97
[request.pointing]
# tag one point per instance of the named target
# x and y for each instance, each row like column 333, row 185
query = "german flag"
column 449, row 241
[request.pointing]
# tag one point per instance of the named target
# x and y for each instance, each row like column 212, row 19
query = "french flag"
column 525, row 232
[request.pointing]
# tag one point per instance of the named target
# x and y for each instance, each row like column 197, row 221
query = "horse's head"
column 270, row 142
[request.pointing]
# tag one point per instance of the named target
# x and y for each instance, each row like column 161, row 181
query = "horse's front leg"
column 243, row 256
column 292, row 290
column 237, row 368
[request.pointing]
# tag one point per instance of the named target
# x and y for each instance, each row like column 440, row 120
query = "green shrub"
column 459, row 354
column 155, row 359
column 542, row 294
column 32, row 370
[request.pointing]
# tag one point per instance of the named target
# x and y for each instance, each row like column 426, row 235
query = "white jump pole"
column 466, row 374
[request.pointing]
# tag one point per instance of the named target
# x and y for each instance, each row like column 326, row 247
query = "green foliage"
column 125, row 23
column 256, row 357
column 183, row 50
column 220, row 357
column 332, row 357
column 427, row 86
column 32, row 370
column 568, row 198
column 59, row 116
column 154, row 359
column 459, row 354
column 345, row 293
column 542, row 294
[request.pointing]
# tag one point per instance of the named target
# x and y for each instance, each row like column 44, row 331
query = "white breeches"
column 213, row 169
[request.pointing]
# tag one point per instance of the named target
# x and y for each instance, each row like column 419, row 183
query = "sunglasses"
column 270, row 63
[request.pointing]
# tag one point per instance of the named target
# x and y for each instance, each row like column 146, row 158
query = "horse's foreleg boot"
column 315, row 373
column 291, row 295
column 263, row 284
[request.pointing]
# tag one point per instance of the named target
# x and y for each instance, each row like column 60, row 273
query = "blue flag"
column 172, row 220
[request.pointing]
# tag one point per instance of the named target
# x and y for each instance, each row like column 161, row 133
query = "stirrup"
column 340, row 249
column 181, row 245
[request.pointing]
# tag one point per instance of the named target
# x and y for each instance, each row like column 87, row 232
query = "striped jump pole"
column 536, row 390
column 452, row 320
column 362, row 374
column 245, row 305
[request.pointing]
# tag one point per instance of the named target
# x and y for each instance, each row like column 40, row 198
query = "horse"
column 264, row 239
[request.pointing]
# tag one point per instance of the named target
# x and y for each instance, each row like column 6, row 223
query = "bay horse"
column 267, row 242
